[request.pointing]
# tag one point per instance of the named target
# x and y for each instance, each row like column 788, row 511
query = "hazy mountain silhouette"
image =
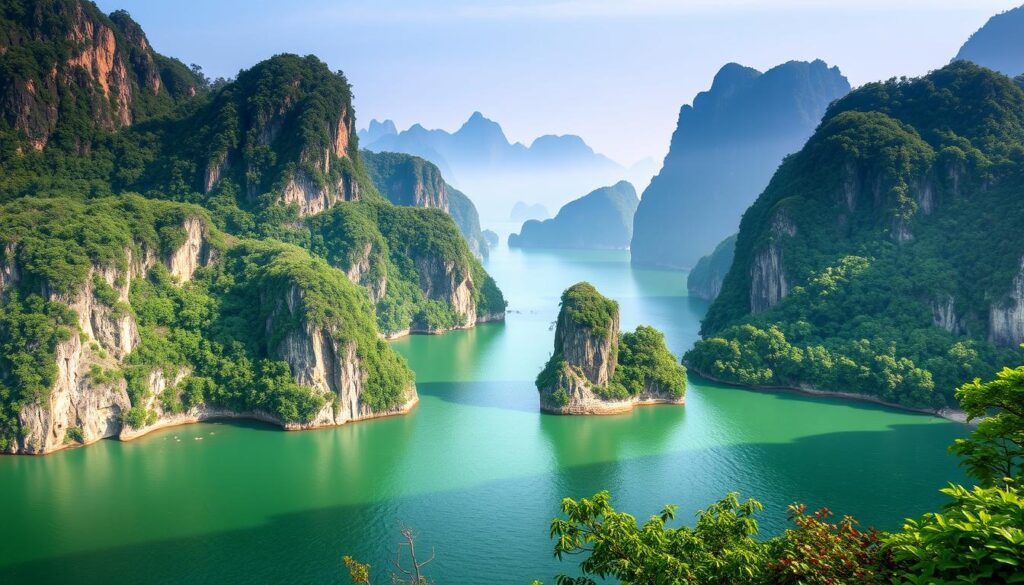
column 600, row 220
column 479, row 157
column 998, row 45
column 725, row 148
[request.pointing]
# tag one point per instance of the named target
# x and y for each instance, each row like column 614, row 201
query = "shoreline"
column 950, row 414
column 212, row 415
column 492, row 318
column 219, row 414
column 613, row 408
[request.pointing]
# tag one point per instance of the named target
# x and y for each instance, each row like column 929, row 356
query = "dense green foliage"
column 30, row 329
column 216, row 328
column 642, row 360
column 233, row 153
column 995, row 450
column 55, row 242
column 720, row 548
column 402, row 248
column 411, row 181
column 228, row 324
column 226, row 152
column 902, row 204
column 601, row 219
column 51, row 98
column 583, row 306
column 977, row 538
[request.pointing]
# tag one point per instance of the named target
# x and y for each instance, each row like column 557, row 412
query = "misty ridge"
column 480, row 160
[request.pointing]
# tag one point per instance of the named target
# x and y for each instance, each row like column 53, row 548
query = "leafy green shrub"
column 718, row 550
column 979, row 538
column 645, row 360
column 995, row 449
column 560, row 397
column 586, row 307
column 74, row 434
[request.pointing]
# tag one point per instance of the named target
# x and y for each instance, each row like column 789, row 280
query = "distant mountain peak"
column 386, row 126
column 732, row 74
column 479, row 125
column 999, row 44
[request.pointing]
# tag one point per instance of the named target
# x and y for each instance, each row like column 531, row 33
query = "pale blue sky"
column 615, row 73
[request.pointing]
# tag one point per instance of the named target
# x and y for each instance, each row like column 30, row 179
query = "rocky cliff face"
column 317, row 359
column 101, row 65
column 446, row 281
column 267, row 109
column 411, row 181
column 585, row 360
column 1006, row 317
column 723, row 153
column 106, row 334
column 87, row 402
column 884, row 228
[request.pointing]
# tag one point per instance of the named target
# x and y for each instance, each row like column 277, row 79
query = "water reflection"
column 584, row 440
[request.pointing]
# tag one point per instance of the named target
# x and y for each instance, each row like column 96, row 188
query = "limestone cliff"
column 888, row 248
column 596, row 370
column 267, row 109
column 409, row 180
column 319, row 359
column 1006, row 316
column 101, row 66
column 83, row 400
column 723, row 152
column 286, row 307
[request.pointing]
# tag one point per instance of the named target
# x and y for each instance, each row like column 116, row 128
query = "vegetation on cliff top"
column 234, row 149
column 214, row 326
column 642, row 358
column 409, row 180
column 901, row 207
column 585, row 307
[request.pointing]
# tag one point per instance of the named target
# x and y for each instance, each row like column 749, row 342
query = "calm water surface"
column 476, row 470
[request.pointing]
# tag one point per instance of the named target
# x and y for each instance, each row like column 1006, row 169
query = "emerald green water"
column 476, row 470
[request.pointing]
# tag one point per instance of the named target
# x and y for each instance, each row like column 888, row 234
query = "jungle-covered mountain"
column 412, row 181
column 723, row 152
column 175, row 249
column 885, row 257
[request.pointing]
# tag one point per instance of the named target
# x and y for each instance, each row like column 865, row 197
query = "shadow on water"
column 645, row 429
column 507, row 395
column 306, row 546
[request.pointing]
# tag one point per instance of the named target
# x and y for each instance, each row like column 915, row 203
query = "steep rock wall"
column 1006, row 317
column 106, row 335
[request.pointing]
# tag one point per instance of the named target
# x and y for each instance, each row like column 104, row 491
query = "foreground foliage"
column 977, row 538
